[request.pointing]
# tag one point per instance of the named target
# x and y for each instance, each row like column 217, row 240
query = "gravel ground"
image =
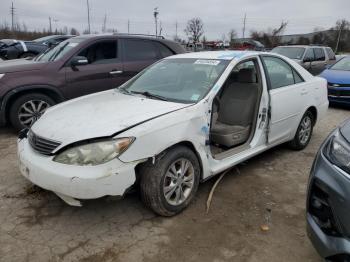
column 37, row 226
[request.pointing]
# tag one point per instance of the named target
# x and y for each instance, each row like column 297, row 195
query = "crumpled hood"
column 336, row 76
column 98, row 115
column 345, row 130
column 20, row 65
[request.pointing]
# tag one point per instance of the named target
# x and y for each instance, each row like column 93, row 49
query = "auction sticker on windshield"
column 207, row 62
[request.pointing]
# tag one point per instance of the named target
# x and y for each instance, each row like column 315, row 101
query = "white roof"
column 225, row 55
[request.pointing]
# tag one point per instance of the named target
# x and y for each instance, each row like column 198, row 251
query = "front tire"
column 304, row 132
column 28, row 108
column 169, row 185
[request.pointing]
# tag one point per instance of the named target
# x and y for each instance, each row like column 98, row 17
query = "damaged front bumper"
column 71, row 182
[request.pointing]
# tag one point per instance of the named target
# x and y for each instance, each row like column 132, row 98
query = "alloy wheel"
column 305, row 130
column 178, row 182
column 31, row 111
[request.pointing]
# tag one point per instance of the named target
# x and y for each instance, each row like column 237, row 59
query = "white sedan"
column 174, row 125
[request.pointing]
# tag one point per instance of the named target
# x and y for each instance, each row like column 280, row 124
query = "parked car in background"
column 179, row 122
column 313, row 58
column 247, row 44
column 13, row 49
column 338, row 78
column 328, row 197
column 78, row 66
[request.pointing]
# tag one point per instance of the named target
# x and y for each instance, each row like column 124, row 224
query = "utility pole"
column 104, row 24
column 160, row 28
column 244, row 22
column 155, row 14
column 128, row 26
column 12, row 11
column 88, row 13
column 339, row 35
column 50, row 24
column 176, row 31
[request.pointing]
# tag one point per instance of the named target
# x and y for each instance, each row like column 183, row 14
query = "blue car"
column 338, row 77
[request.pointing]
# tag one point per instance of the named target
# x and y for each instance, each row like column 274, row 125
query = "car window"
column 291, row 52
column 343, row 64
column 319, row 54
column 164, row 51
column 103, row 52
column 136, row 50
column 309, row 55
column 53, row 54
column 279, row 72
column 330, row 53
column 297, row 77
column 185, row 80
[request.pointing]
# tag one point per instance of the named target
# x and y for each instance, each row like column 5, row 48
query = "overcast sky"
column 219, row 16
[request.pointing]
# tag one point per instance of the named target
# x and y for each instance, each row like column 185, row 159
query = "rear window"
column 136, row 50
column 330, row 53
column 164, row 51
column 290, row 52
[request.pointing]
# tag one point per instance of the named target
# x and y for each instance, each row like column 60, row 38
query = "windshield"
column 183, row 80
column 58, row 51
column 290, row 52
column 343, row 64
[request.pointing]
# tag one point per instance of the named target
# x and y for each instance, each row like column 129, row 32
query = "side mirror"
column 79, row 61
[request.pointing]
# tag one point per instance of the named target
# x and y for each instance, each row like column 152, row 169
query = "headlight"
column 2, row 75
column 94, row 153
column 337, row 151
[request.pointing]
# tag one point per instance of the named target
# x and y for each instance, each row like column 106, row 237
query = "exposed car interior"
column 235, row 108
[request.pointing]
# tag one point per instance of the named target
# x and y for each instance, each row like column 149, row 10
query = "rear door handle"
column 116, row 72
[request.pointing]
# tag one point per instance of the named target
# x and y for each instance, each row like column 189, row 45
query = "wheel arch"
column 12, row 95
column 185, row 143
column 313, row 111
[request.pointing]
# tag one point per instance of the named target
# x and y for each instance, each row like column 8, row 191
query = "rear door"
column 287, row 92
column 320, row 62
column 104, row 71
column 138, row 54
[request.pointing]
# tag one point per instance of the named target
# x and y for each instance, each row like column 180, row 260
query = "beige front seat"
column 236, row 110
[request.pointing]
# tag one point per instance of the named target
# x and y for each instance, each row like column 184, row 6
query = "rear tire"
column 164, row 187
column 304, row 132
column 28, row 108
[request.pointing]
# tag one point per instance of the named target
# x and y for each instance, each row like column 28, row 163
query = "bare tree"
column 194, row 30
column 74, row 31
column 277, row 32
column 271, row 37
column 232, row 35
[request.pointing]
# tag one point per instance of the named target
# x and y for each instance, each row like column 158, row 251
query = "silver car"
column 313, row 58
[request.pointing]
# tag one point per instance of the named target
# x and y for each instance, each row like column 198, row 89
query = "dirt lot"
column 37, row 226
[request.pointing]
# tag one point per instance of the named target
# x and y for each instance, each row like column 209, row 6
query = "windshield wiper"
column 150, row 95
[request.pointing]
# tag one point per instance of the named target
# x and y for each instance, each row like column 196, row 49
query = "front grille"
column 338, row 85
column 42, row 145
column 338, row 92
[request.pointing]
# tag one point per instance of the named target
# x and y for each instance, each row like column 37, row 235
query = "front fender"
column 153, row 137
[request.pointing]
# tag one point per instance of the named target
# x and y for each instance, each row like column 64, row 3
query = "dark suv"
column 78, row 66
